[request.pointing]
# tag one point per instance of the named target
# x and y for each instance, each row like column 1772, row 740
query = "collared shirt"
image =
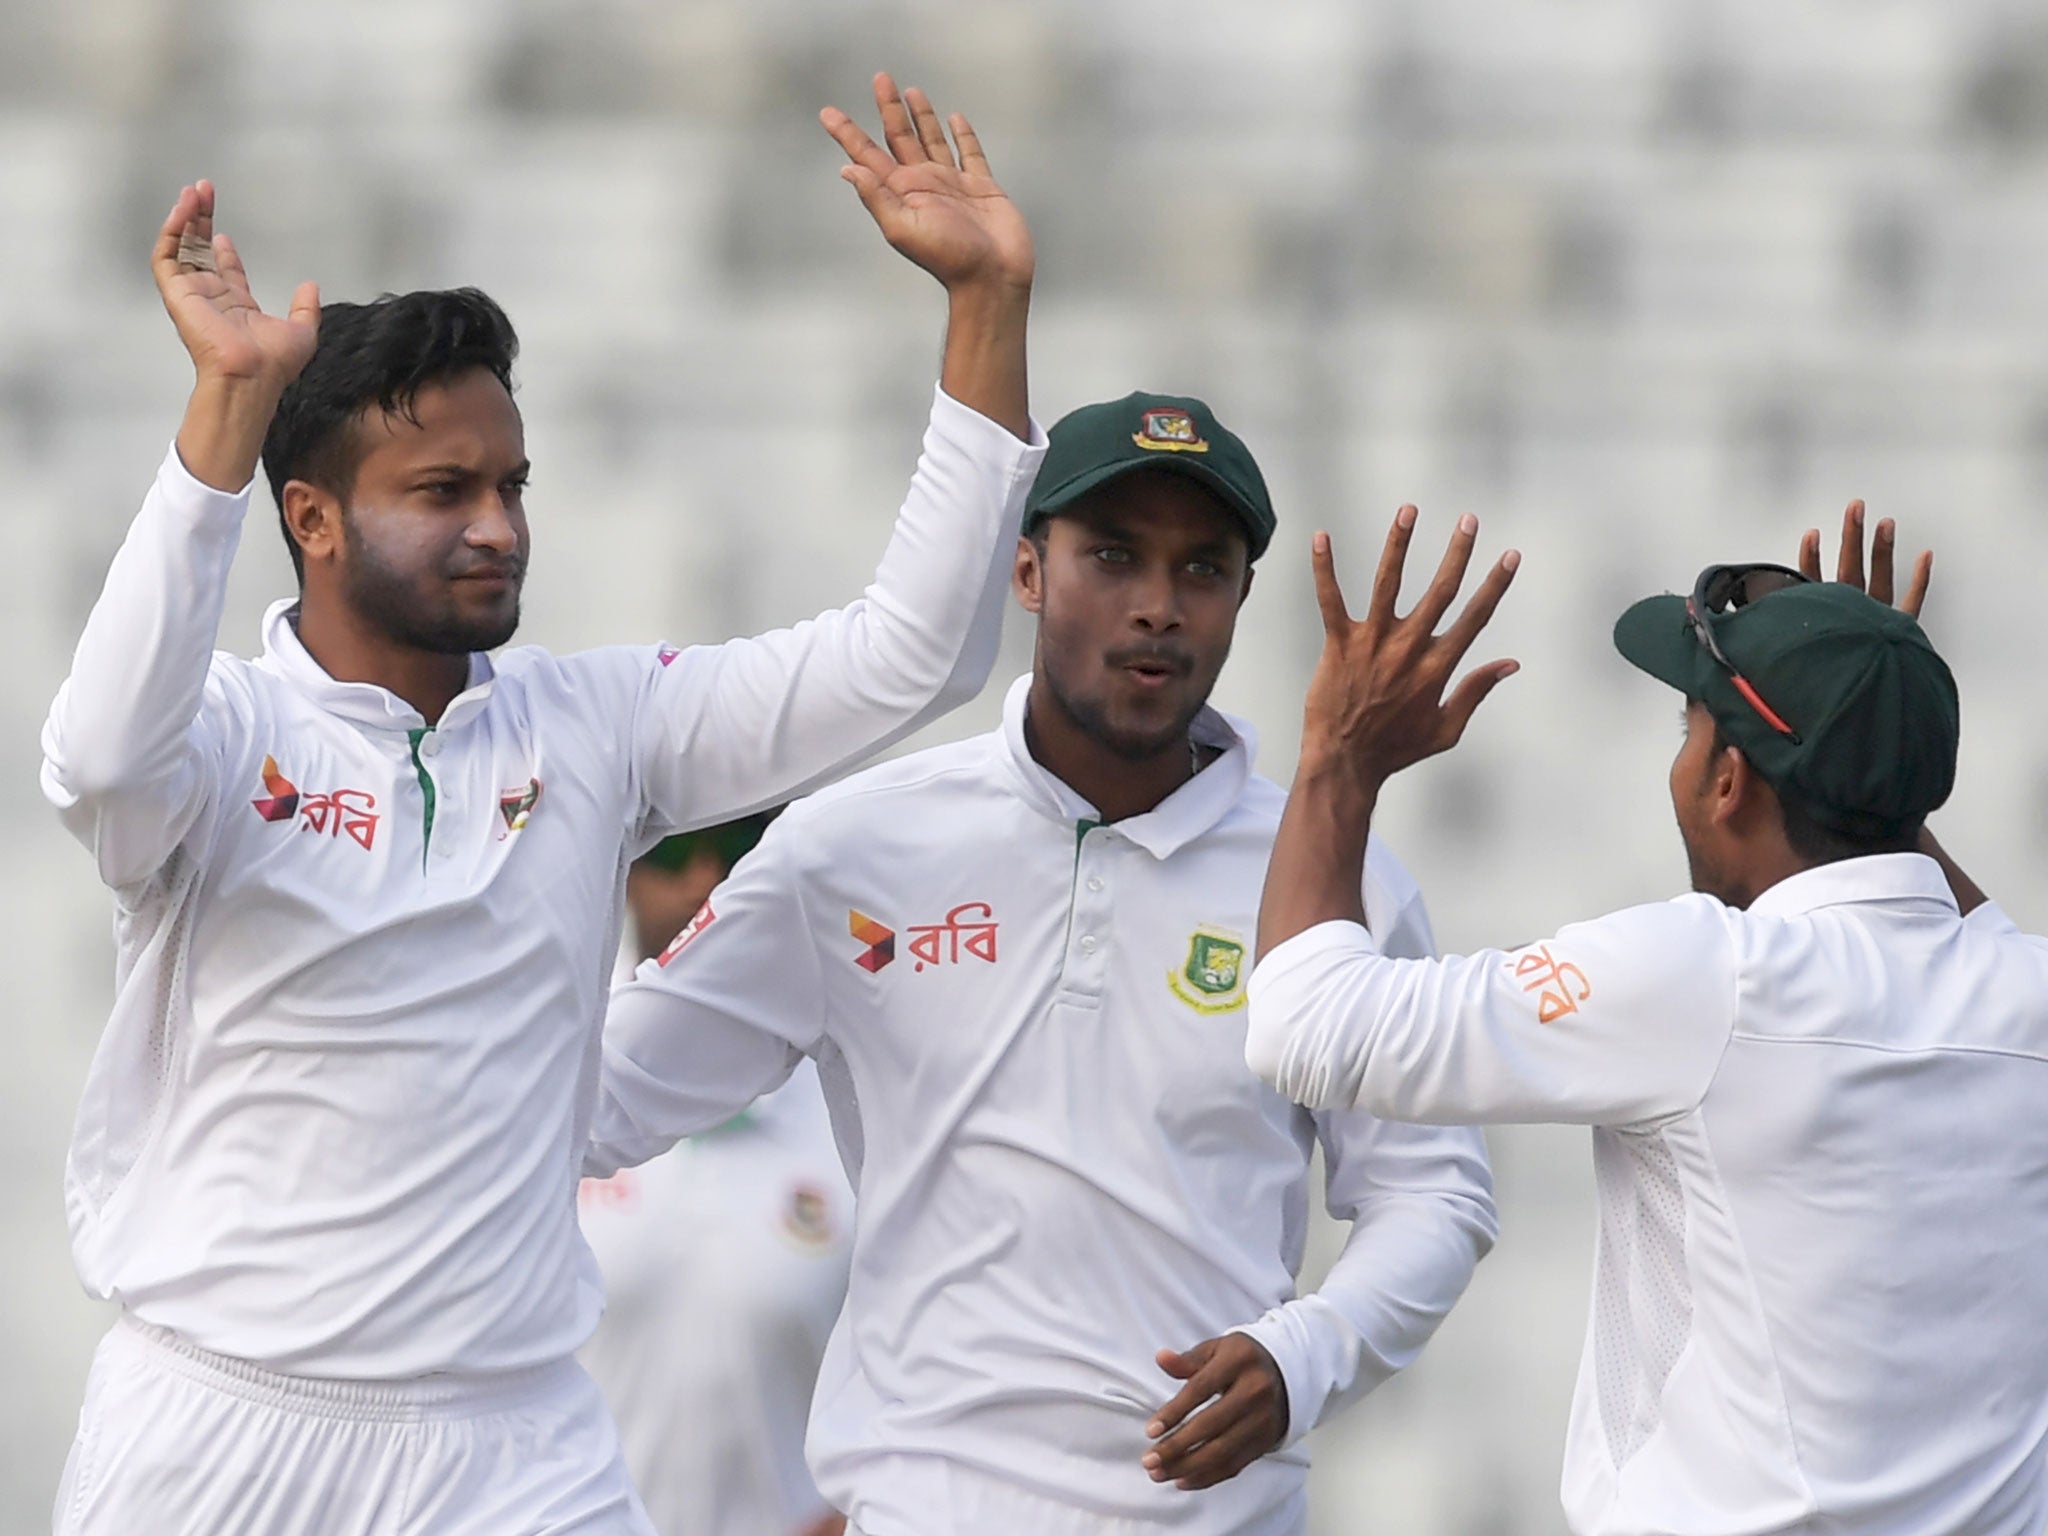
column 1030, row 1028
column 336, row 1121
column 1821, row 1141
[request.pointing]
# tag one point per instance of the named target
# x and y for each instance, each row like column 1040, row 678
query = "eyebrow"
column 468, row 472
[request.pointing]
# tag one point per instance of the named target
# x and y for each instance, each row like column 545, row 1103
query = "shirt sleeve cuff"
column 184, row 491
column 1283, row 1335
column 976, row 435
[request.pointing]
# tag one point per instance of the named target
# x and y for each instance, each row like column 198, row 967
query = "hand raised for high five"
column 1376, row 704
column 1849, row 560
column 206, row 290
column 243, row 358
column 941, row 209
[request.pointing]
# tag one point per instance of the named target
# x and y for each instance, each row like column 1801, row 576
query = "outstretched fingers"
column 1916, row 589
column 1849, row 560
column 972, row 158
column 897, row 128
column 930, row 135
column 1386, row 581
column 1809, row 554
column 1479, row 608
column 1450, row 575
column 1329, row 595
column 861, row 150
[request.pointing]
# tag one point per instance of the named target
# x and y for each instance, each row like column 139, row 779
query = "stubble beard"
column 384, row 600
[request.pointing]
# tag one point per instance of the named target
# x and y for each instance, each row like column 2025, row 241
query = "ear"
column 313, row 517
column 1735, row 790
column 1027, row 576
column 1246, row 590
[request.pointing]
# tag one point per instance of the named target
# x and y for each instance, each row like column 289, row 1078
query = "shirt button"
column 1095, row 882
column 431, row 747
column 1087, row 943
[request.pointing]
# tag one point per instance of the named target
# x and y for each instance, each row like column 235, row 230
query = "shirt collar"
column 1179, row 819
column 1874, row 877
column 362, row 703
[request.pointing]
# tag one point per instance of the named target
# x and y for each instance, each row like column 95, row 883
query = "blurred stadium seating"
column 1644, row 285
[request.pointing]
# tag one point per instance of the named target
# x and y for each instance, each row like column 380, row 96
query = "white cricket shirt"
column 1030, row 1028
column 337, row 1118
column 724, row 1266
column 1821, row 1140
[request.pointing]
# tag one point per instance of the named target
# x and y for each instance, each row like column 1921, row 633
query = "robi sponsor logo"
column 351, row 811
column 969, row 929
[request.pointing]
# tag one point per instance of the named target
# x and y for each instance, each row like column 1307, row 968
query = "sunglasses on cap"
column 1723, row 589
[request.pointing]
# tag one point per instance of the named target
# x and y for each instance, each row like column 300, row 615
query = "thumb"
column 1180, row 1367
column 305, row 308
column 879, row 201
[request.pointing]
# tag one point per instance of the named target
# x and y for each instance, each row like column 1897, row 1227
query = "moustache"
column 1167, row 658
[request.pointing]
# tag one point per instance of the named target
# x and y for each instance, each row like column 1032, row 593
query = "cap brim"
column 1656, row 636
column 1189, row 465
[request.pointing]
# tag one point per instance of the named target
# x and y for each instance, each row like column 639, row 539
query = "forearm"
column 221, row 437
column 1401, row 1271
column 1318, row 863
column 1969, row 895
column 984, row 367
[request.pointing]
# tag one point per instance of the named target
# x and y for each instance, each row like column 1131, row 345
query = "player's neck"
column 350, row 652
column 1117, row 786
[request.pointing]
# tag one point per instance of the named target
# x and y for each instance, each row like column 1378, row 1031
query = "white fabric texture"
column 174, row 1441
column 1822, row 1158
column 724, row 1265
column 1030, row 1028
column 335, row 1123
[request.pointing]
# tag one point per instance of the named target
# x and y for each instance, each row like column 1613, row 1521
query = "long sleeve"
column 720, row 1019
column 1613, row 1022
column 1419, row 1200
column 752, row 722
column 128, row 760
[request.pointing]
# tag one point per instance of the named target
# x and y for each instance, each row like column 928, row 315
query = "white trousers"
column 177, row 1441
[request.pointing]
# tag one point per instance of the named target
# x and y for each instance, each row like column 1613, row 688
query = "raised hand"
column 935, row 202
column 1376, row 702
column 205, row 288
column 1245, row 1418
column 1849, row 560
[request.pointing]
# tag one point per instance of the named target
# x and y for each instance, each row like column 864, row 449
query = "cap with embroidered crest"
column 1863, row 719
column 1179, row 434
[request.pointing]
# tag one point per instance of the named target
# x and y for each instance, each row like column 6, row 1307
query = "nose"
column 492, row 526
column 1155, row 606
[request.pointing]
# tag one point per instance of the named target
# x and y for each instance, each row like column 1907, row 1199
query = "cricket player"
column 1019, row 962
column 368, row 886
column 724, row 1265
column 1815, row 1084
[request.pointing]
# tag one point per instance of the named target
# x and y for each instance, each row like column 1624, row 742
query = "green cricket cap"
column 1096, row 444
column 1872, row 703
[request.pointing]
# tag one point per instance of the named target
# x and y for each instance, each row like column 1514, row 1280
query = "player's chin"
column 479, row 616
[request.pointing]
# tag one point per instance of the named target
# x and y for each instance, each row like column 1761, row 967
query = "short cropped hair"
column 1814, row 840
column 377, row 355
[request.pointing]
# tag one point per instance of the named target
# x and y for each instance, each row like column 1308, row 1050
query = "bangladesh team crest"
column 1170, row 432
column 1212, row 978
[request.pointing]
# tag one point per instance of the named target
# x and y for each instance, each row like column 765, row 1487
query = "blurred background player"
column 724, row 1263
column 1019, row 961
column 1815, row 1082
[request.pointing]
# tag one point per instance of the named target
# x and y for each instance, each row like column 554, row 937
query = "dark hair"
column 1813, row 839
column 377, row 355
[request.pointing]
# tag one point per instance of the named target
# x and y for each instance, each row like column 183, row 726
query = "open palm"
column 940, row 208
column 205, row 288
